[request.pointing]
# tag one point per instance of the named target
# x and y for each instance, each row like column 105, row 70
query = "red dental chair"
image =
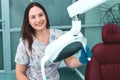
column 105, row 63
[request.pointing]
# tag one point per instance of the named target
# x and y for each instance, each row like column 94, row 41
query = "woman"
column 36, row 35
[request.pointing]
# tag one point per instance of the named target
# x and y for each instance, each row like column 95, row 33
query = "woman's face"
column 37, row 18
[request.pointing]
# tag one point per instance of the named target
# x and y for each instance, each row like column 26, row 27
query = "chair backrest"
column 105, row 63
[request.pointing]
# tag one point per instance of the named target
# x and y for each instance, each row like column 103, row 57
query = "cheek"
column 31, row 22
column 45, row 20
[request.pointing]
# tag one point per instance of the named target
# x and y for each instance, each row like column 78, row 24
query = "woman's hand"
column 72, row 62
column 85, row 54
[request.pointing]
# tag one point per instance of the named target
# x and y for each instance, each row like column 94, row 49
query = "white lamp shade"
column 81, row 6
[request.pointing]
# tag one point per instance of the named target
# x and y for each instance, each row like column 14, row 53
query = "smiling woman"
column 57, row 13
column 11, row 16
column 36, row 36
column 10, row 34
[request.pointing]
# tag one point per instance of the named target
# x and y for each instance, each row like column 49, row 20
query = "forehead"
column 35, row 10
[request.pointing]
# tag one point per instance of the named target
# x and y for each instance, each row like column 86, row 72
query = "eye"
column 32, row 17
column 41, row 14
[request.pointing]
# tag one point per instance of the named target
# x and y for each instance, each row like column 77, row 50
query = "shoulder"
column 22, row 43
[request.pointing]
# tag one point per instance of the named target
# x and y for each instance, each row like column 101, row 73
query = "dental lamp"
column 72, row 41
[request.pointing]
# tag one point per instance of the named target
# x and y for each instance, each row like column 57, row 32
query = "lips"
column 39, row 24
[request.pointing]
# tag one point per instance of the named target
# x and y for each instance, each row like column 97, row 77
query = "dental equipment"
column 72, row 41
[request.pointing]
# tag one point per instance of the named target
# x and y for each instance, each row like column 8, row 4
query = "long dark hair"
column 27, row 30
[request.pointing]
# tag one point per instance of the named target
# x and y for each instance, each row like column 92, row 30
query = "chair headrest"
column 111, row 33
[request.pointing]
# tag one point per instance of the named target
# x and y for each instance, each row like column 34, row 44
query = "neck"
column 43, row 36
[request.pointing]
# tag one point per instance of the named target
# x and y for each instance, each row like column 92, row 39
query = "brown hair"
column 27, row 30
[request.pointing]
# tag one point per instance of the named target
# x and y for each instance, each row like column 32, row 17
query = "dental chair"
column 105, row 62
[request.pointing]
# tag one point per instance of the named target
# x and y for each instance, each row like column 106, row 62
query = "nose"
column 38, row 19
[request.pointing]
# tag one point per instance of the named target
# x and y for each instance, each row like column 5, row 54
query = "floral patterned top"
column 32, row 61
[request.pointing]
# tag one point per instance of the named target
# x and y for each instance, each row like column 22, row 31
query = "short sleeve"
column 21, row 56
